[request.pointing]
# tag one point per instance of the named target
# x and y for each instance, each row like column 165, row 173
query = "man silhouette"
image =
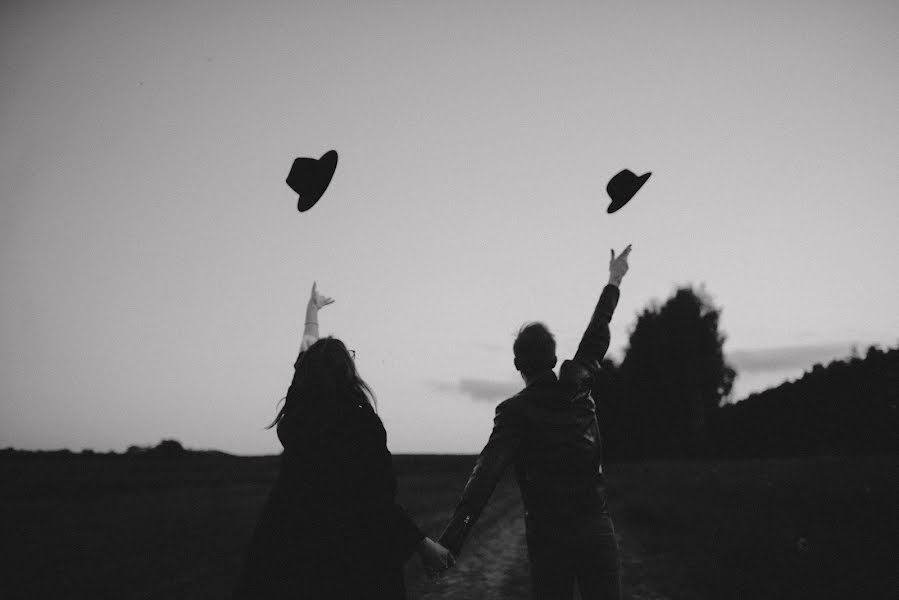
column 550, row 433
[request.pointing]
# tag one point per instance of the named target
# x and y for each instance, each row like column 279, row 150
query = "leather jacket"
column 550, row 433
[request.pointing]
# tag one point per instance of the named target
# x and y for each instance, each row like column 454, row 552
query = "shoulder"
column 573, row 368
column 574, row 374
column 364, row 416
column 514, row 407
column 361, row 425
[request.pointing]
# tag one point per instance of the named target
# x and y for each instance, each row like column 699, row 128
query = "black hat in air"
column 309, row 178
column 622, row 187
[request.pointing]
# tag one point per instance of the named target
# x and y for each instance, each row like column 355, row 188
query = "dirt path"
column 494, row 566
column 494, row 563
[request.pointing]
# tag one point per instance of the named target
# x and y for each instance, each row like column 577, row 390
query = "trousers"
column 587, row 556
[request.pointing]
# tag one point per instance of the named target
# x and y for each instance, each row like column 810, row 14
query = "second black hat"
column 622, row 187
column 309, row 178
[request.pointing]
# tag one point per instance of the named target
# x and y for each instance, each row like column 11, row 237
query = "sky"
column 155, row 270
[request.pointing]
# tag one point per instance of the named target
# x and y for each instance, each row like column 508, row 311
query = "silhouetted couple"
column 332, row 529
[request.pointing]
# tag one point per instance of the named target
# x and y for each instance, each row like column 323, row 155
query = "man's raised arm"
column 582, row 370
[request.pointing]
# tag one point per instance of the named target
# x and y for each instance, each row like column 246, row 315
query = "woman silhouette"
column 331, row 527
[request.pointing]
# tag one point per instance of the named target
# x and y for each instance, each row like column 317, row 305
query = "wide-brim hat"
column 309, row 178
column 623, row 186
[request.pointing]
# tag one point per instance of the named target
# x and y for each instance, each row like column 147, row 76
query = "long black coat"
column 331, row 527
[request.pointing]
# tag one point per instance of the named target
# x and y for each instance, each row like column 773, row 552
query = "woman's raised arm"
column 310, row 329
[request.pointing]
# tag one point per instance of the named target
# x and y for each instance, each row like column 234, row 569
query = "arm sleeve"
column 499, row 451
column 377, row 486
column 406, row 534
column 580, row 372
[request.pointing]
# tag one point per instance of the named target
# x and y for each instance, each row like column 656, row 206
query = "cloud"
column 480, row 389
column 763, row 366
column 784, row 358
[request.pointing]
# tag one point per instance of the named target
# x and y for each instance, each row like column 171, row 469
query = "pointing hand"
column 318, row 300
column 618, row 266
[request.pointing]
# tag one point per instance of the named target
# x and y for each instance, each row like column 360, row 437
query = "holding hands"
column 618, row 266
column 435, row 558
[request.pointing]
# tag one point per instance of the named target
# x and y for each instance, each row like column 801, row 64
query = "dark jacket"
column 550, row 432
column 331, row 527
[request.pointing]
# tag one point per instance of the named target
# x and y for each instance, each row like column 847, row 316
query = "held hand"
column 435, row 557
column 318, row 300
column 618, row 266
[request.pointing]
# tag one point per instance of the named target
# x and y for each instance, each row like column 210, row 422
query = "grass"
column 131, row 527
column 786, row 528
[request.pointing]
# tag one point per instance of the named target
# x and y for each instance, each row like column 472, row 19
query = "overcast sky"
column 154, row 268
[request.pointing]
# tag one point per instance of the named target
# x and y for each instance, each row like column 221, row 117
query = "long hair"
column 325, row 385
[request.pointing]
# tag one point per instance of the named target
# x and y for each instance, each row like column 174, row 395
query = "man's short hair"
column 534, row 348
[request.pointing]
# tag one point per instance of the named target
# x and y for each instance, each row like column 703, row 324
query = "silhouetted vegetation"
column 665, row 398
column 661, row 399
column 846, row 407
column 167, row 448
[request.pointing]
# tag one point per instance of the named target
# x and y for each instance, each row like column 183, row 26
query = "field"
column 152, row 527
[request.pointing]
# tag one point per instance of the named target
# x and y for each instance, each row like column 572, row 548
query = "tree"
column 847, row 407
column 169, row 448
column 673, row 377
column 166, row 448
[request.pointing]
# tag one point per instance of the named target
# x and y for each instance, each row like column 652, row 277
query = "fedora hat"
column 309, row 178
column 622, row 187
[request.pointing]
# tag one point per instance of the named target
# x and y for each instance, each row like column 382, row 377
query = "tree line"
column 667, row 396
